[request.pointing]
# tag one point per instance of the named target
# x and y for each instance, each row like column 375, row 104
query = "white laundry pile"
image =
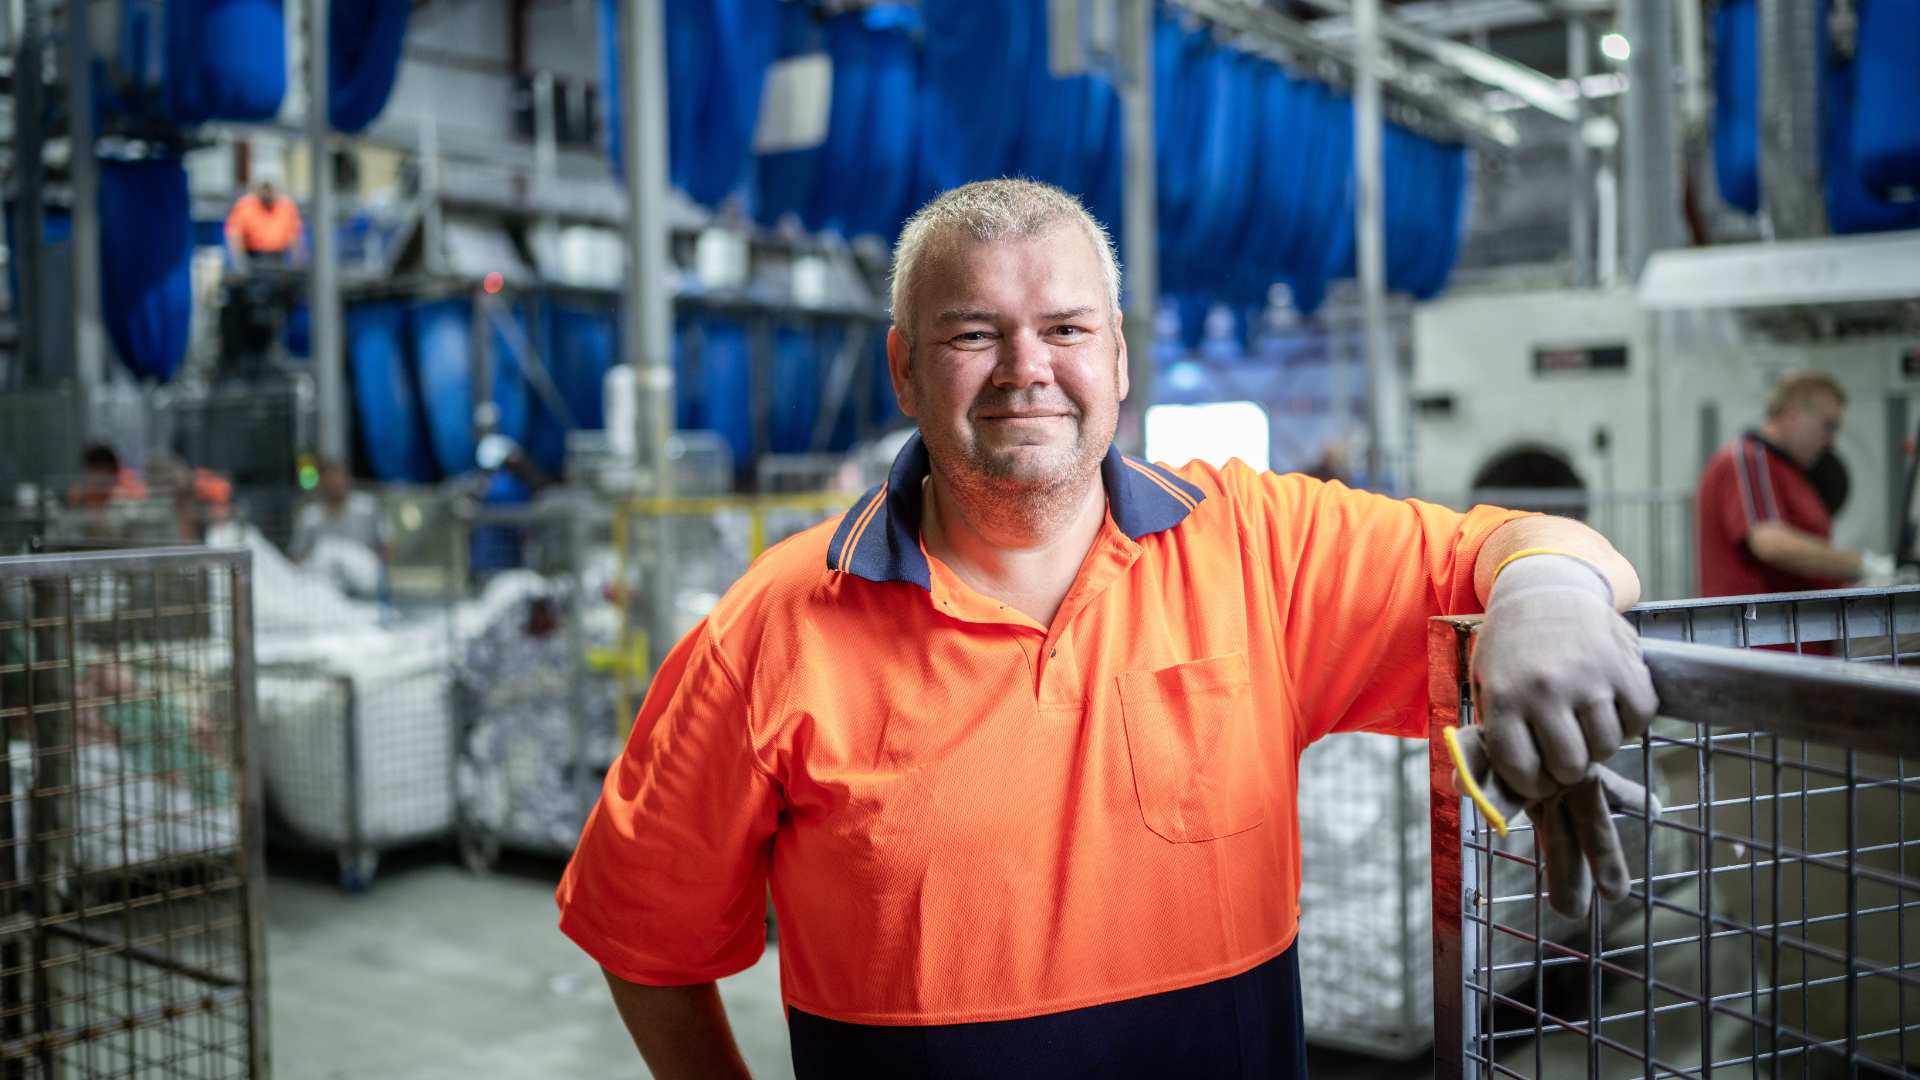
column 324, row 659
column 518, row 774
column 1366, row 909
column 132, row 809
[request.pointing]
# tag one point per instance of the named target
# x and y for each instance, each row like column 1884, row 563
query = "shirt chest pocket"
column 1191, row 738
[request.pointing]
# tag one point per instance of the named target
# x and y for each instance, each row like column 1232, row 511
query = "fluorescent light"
column 1616, row 46
column 1213, row 433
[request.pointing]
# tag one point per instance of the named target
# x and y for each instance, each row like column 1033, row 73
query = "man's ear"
column 1120, row 355
column 900, row 368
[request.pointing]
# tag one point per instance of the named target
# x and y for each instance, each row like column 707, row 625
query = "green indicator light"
column 309, row 477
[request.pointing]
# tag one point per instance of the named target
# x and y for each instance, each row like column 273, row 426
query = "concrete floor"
column 437, row 974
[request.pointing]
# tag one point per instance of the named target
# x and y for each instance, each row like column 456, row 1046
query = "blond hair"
column 988, row 211
column 1802, row 385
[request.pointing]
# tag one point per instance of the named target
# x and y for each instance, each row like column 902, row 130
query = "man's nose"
column 1024, row 361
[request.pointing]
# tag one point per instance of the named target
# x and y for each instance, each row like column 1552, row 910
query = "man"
column 104, row 479
column 342, row 533
column 1015, row 739
column 1763, row 525
column 262, row 222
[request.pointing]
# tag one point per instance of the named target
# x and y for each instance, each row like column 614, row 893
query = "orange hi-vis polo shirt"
column 966, row 816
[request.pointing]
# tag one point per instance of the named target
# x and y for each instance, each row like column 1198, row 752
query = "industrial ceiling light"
column 1616, row 46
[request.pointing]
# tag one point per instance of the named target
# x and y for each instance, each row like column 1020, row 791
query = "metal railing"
column 1773, row 927
column 132, row 932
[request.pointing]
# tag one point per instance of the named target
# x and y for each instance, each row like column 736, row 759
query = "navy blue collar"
column 879, row 539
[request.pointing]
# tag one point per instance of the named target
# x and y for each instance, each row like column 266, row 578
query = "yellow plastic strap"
column 1537, row 551
column 1494, row 817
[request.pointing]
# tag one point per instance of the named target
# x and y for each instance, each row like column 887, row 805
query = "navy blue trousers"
column 1244, row 1028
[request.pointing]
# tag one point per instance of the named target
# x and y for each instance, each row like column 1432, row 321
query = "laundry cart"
column 358, row 761
column 531, row 683
column 1786, row 940
column 132, row 935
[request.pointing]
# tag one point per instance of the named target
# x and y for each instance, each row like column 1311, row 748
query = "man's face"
column 266, row 194
column 334, row 485
column 1809, row 426
column 1018, row 370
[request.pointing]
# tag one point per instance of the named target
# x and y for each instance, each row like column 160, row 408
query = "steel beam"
column 1141, row 230
column 29, row 211
column 648, row 322
column 83, row 175
column 1579, row 163
column 1790, row 189
column 1370, row 243
column 1290, row 42
column 323, row 300
column 1650, row 134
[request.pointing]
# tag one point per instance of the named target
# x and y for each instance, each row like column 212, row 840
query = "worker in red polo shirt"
column 1763, row 525
column 1015, row 741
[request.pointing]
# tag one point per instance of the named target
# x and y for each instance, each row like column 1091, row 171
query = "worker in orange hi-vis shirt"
column 1015, row 740
column 262, row 222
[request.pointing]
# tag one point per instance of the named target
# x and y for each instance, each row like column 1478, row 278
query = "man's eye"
column 970, row 336
column 1068, row 331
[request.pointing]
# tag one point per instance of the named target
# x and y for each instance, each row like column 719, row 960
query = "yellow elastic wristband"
column 1537, row 551
column 1494, row 817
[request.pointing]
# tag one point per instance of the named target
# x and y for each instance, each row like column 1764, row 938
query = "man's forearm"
column 1560, row 534
column 1784, row 547
column 681, row 1031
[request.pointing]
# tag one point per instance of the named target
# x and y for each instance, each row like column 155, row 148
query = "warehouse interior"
column 507, row 363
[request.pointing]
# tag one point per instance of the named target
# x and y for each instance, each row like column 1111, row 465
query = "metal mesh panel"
column 131, row 940
column 679, row 556
column 1774, row 923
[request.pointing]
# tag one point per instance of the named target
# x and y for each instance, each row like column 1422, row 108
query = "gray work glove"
column 1558, row 685
column 1572, row 830
column 1558, row 681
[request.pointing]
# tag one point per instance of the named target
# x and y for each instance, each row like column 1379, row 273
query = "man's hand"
column 1558, row 685
column 1557, row 675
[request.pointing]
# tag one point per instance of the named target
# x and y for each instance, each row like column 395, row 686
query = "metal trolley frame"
column 132, row 930
column 1787, row 943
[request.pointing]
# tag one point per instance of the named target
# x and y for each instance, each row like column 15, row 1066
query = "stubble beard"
column 1014, row 494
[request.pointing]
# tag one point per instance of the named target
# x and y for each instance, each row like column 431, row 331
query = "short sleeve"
column 668, row 884
column 1357, row 577
column 1720, row 499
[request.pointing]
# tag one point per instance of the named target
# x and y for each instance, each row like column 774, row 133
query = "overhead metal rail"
column 1291, row 43
column 1521, row 81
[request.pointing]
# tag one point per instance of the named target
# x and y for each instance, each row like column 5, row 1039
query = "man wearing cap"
column 1015, row 740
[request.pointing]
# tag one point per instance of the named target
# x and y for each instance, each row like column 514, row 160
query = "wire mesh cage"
column 678, row 556
column 132, row 940
column 355, row 722
column 1773, row 927
column 357, row 762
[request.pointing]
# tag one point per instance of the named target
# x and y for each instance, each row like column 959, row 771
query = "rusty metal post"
column 1448, row 706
